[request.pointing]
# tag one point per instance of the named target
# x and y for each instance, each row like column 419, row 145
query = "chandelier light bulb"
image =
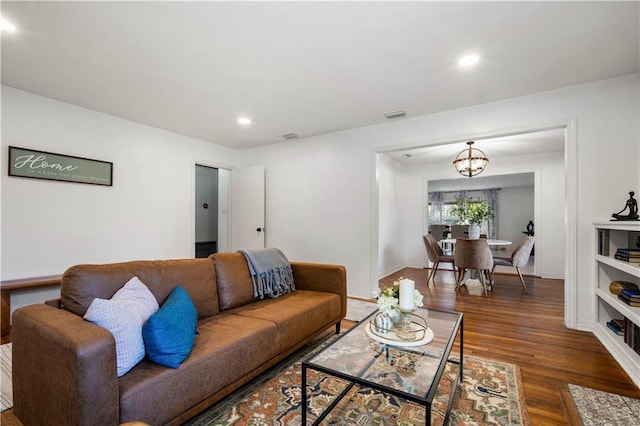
column 470, row 161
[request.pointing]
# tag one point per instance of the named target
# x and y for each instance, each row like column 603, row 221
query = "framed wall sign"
column 29, row 163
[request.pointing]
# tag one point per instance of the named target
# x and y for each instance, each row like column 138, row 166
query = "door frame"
column 570, row 126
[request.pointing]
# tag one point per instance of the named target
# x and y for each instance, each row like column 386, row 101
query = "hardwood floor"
column 527, row 330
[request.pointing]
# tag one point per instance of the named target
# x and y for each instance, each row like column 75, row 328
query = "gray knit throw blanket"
column 270, row 272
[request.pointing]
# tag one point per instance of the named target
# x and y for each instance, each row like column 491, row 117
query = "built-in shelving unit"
column 611, row 236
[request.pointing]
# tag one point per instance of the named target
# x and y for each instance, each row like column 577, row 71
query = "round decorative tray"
column 425, row 335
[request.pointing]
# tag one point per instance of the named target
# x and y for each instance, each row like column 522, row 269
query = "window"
column 441, row 204
column 441, row 217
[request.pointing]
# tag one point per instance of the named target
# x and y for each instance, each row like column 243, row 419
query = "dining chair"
column 436, row 256
column 459, row 231
column 518, row 259
column 439, row 231
column 473, row 255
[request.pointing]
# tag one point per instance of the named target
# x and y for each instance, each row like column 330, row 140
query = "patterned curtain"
column 436, row 199
column 491, row 195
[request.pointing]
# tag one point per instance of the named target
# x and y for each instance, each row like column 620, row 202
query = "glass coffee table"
column 422, row 375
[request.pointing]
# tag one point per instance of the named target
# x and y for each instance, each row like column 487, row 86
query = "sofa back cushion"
column 235, row 287
column 83, row 283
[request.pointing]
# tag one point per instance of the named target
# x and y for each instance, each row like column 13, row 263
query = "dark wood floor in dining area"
column 527, row 330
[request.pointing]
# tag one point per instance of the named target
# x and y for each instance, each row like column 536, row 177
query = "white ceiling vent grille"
column 396, row 114
column 290, row 136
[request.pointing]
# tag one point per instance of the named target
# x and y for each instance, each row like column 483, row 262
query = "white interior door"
column 247, row 208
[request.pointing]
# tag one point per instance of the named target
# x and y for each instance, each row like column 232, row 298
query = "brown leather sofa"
column 64, row 368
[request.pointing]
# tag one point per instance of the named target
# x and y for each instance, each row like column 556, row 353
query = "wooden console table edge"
column 8, row 286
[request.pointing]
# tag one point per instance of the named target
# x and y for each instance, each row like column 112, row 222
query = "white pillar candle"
column 407, row 295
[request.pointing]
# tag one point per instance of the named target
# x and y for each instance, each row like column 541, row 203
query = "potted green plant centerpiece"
column 473, row 212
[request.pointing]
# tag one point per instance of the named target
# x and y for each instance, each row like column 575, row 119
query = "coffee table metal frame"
column 426, row 400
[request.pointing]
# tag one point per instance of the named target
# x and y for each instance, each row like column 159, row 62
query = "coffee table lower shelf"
column 353, row 382
column 419, row 375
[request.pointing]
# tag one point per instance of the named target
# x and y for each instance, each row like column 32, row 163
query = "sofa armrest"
column 64, row 369
column 322, row 277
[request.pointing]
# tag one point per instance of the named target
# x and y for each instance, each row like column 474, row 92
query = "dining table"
column 492, row 242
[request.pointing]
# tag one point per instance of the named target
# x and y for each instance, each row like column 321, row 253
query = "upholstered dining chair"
column 473, row 255
column 436, row 256
column 459, row 231
column 518, row 259
column 439, row 231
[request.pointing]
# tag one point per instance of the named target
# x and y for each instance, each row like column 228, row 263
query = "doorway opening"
column 396, row 176
column 211, row 210
column 206, row 211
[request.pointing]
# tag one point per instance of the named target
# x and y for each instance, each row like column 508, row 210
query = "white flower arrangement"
column 388, row 299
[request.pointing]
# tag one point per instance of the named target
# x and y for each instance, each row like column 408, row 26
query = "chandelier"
column 470, row 161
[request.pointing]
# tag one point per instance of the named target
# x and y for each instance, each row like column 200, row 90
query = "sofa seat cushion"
column 296, row 315
column 226, row 348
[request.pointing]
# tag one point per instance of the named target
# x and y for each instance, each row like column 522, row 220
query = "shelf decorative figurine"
column 632, row 206
column 616, row 286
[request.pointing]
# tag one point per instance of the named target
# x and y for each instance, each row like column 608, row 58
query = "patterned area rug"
column 490, row 395
column 6, row 394
column 596, row 408
column 357, row 310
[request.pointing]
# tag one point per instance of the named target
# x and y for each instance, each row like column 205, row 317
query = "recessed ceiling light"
column 244, row 120
column 468, row 60
column 7, row 26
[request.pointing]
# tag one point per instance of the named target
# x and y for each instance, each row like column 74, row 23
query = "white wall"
column 318, row 202
column 515, row 210
column 390, row 228
column 321, row 201
column 327, row 212
column 551, row 222
column 148, row 213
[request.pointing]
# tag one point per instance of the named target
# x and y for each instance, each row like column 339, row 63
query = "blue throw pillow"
column 169, row 333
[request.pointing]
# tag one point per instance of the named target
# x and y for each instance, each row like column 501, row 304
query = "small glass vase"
column 395, row 320
column 404, row 331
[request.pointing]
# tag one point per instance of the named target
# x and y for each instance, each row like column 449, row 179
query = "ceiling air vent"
column 290, row 136
column 394, row 115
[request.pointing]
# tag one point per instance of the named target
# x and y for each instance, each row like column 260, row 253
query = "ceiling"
column 533, row 143
column 482, row 182
column 306, row 67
